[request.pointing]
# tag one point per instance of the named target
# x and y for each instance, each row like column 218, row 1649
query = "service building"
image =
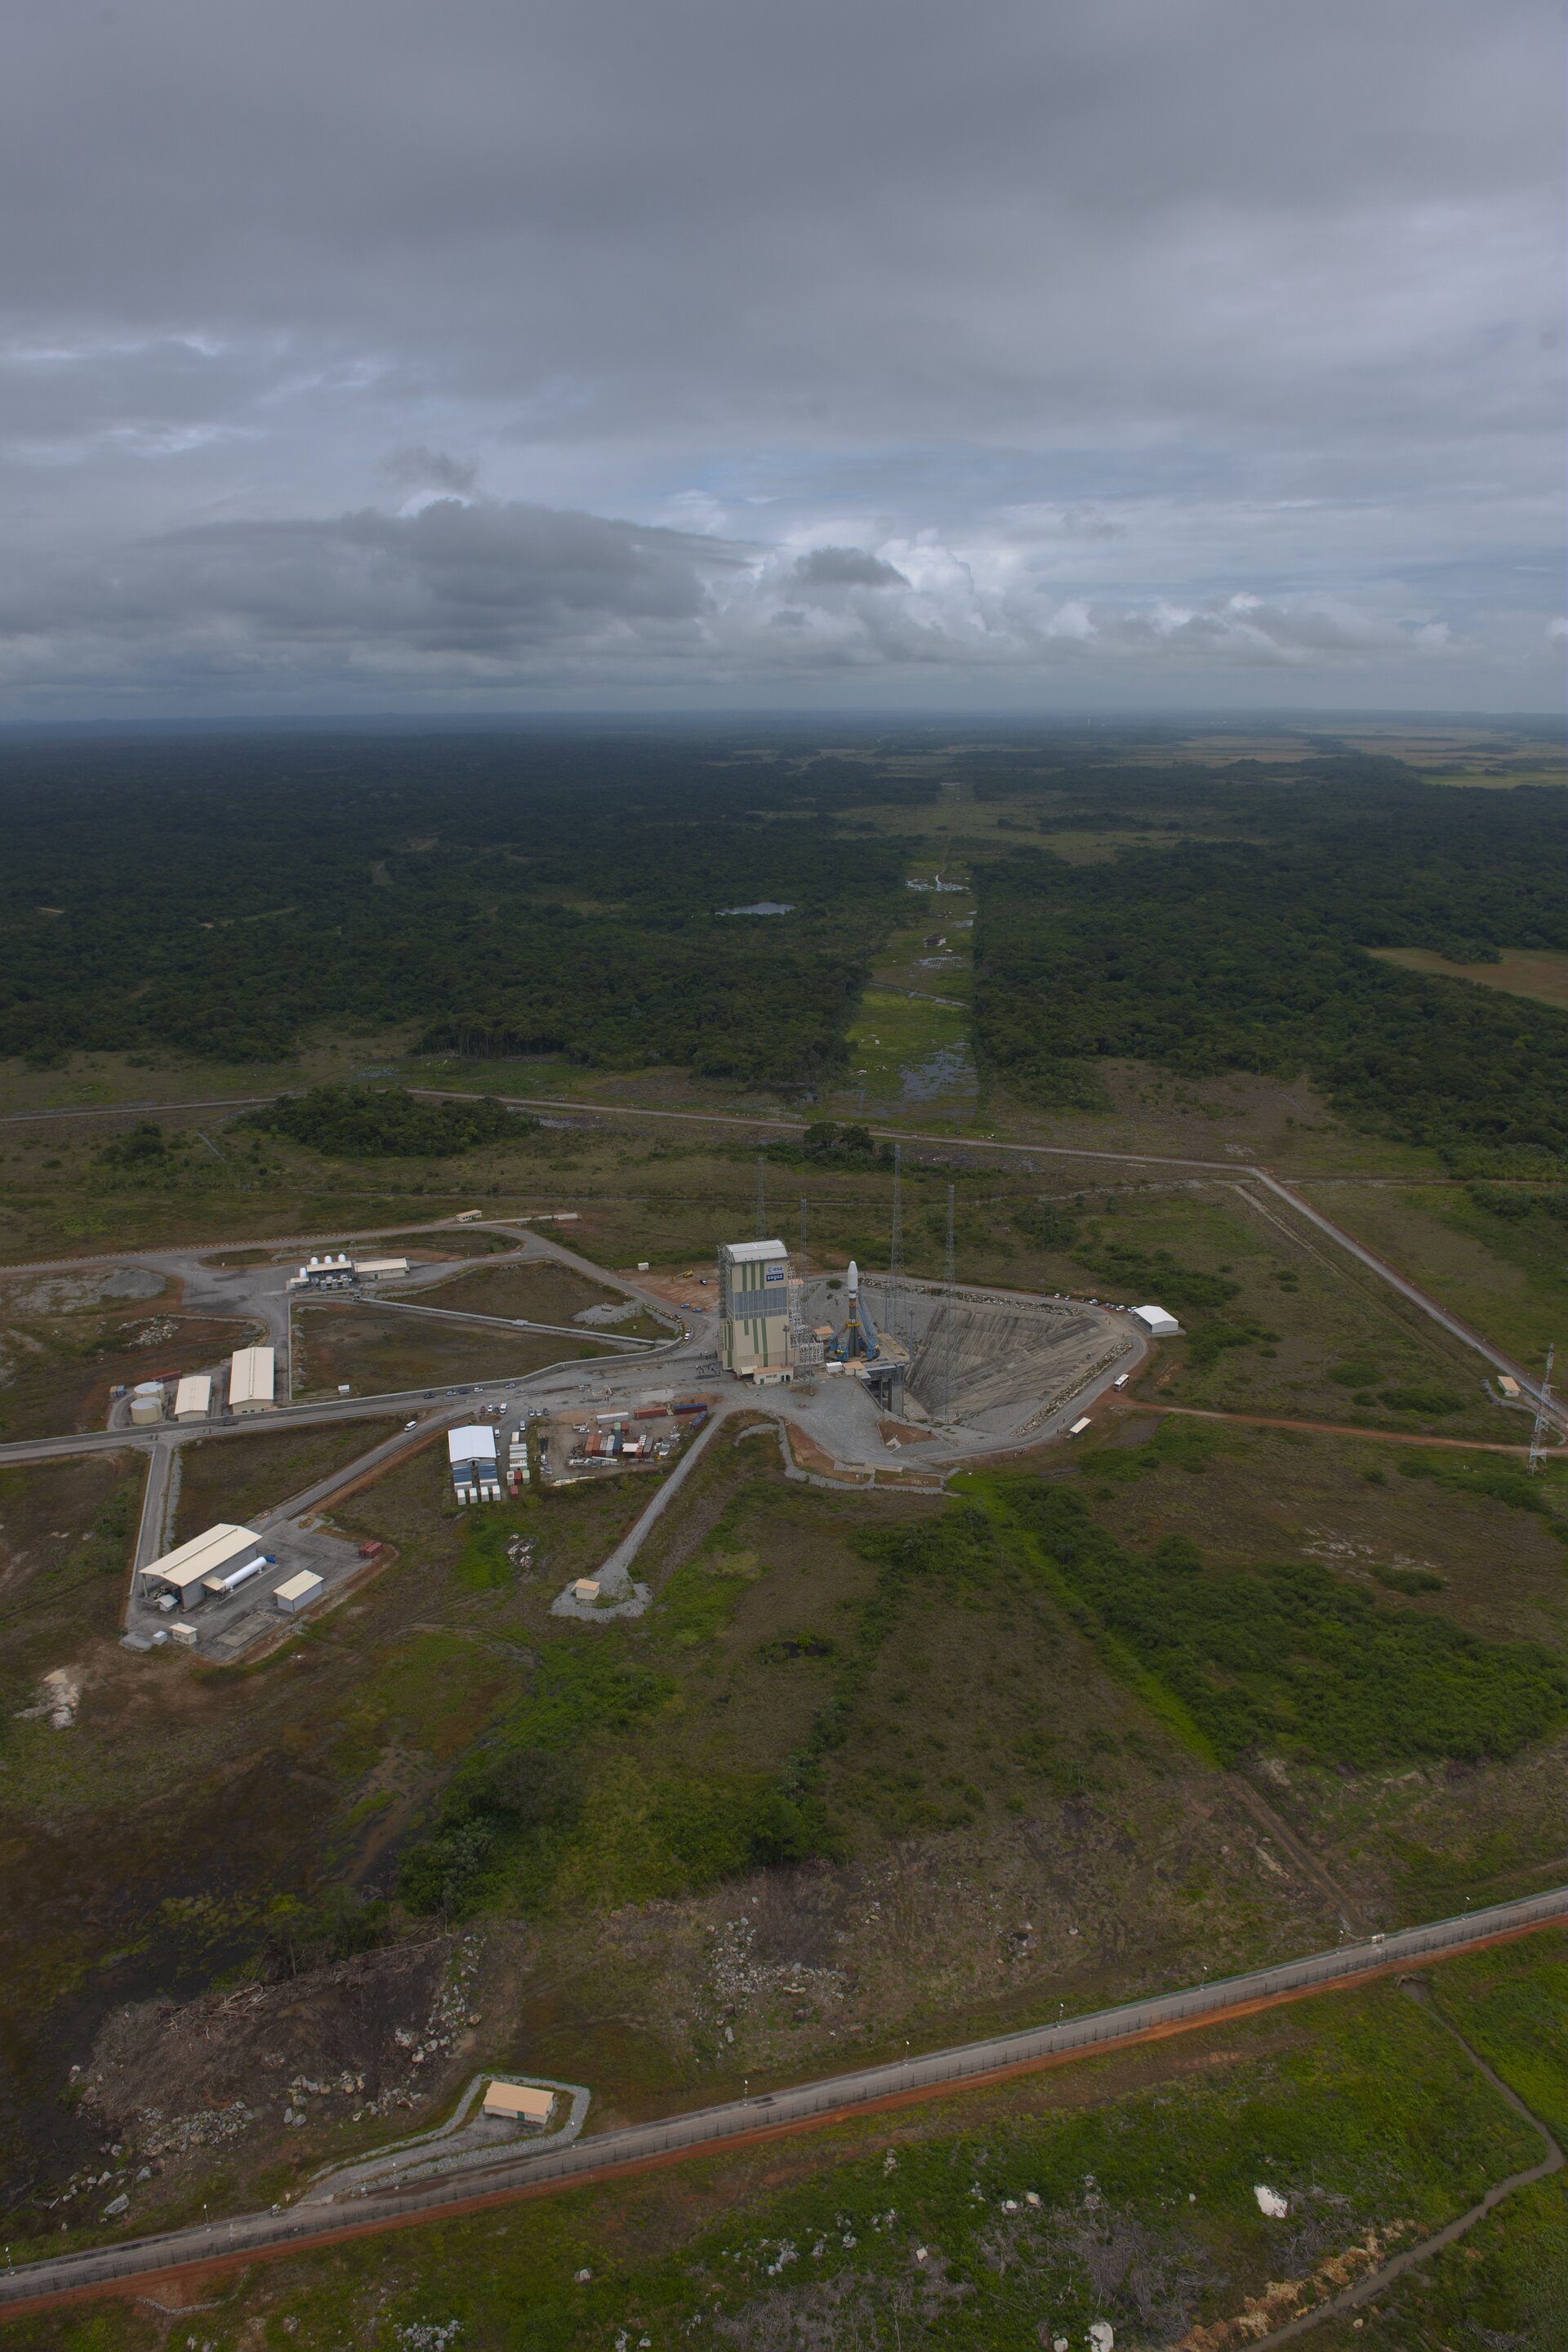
column 754, row 1305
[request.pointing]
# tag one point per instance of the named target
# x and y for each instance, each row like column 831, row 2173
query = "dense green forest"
column 512, row 895
column 387, row 1123
column 1223, row 953
column 1293, row 1657
column 585, row 894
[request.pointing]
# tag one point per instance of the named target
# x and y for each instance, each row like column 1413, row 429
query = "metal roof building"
column 1155, row 1321
column 194, row 1397
column 181, row 1571
column 251, row 1375
column 471, row 1451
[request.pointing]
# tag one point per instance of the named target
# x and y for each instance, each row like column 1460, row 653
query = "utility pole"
column 1538, row 1436
column 895, row 1312
column 950, row 1317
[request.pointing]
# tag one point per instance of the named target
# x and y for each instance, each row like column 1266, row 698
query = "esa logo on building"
column 773, row 1274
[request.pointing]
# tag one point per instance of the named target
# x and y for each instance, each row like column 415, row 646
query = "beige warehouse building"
column 251, row 1375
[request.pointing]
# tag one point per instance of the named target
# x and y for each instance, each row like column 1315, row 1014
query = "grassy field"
column 1539, row 972
column 242, row 1478
column 1121, row 2190
column 906, row 1050
column 57, row 1371
column 1278, row 1321
column 867, row 1770
column 1508, row 1279
column 1410, row 1839
column 375, row 1349
column 1506, row 2283
column 544, row 1291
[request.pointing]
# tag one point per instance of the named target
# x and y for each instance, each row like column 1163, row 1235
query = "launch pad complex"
column 767, row 1334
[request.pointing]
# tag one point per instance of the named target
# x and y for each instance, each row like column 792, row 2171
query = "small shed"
column 194, row 1397
column 1156, row 1322
column 585, row 1589
column 523, row 2103
column 298, row 1592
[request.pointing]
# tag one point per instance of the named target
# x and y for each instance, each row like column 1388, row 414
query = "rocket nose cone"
column 854, row 1276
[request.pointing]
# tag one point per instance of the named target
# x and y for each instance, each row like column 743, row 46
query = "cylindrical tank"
column 146, row 1410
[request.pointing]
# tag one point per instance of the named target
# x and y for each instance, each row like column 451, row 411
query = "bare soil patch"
column 168, row 2076
column 1541, row 973
column 55, row 1374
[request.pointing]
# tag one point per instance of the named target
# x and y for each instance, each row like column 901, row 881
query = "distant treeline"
column 387, row 1123
column 507, row 895
column 1228, row 954
column 567, row 894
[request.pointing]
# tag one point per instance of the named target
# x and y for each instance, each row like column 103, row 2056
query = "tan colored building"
column 182, row 1570
column 523, row 2103
column 754, row 1303
column 252, row 1372
column 194, row 1397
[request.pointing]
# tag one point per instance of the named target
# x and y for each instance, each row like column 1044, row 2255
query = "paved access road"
column 132, row 2265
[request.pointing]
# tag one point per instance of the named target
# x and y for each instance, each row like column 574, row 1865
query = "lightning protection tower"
column 1538, row 1436
column 894, row 1313
column 762, row 1198
column 949, row 1316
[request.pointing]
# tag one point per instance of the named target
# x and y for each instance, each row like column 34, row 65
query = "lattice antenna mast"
column 950, row 1317
column 1539, row 1434
column 894, row 1315
column 762, row 1198
column 802, row 1237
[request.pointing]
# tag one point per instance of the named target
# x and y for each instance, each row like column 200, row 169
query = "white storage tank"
column 147, row 1404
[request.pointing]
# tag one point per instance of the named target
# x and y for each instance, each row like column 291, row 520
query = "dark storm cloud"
column 1102, row 328
column 845, row 567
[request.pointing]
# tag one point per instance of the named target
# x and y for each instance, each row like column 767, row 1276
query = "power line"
column 894, row 1315
column 1538, row 1436
column 950, row 1317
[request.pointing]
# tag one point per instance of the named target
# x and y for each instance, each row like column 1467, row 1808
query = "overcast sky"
column 1076, row 354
